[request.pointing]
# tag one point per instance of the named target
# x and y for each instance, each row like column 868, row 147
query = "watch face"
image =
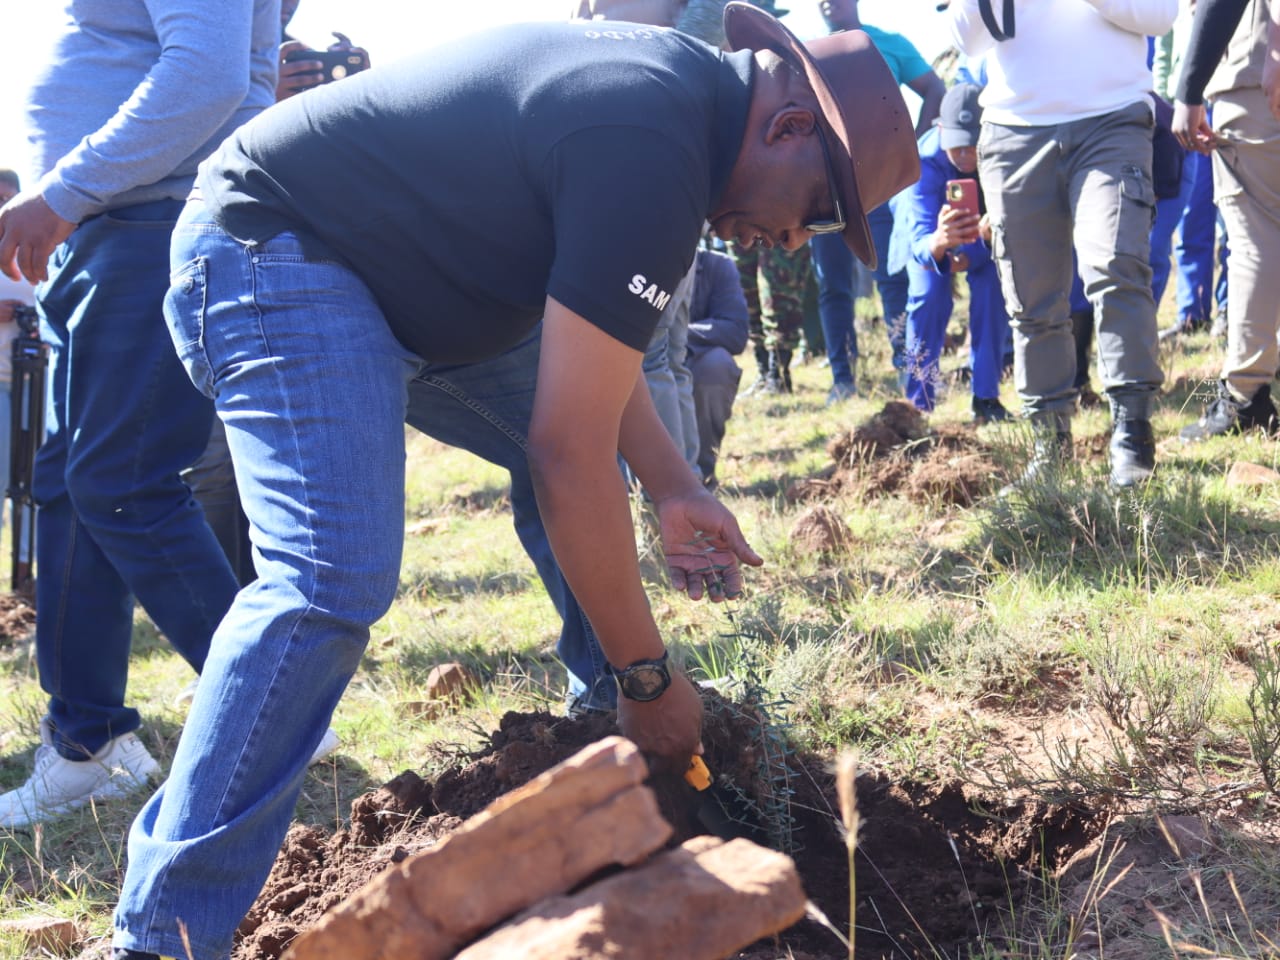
column 644, row 683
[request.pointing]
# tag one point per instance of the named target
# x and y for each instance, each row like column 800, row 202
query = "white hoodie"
column 1068, row 60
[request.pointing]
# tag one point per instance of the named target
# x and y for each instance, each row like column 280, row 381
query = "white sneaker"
column 328, row 743
column 186, row 694
column 58, row 785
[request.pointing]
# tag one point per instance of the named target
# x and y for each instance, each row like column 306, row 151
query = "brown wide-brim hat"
column 861, row 104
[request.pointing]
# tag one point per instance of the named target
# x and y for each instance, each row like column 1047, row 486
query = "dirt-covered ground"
column 932, row 873
column 940, row 867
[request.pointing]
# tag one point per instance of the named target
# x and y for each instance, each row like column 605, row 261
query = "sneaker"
column 186, row 694
column 841, row 392
column 328, row 744
column 989, row 410
column 577, row 708
column 58, row 785
column 1226, row 415
column 120, row 953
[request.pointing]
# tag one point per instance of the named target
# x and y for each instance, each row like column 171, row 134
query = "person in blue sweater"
column 940, row 240
column 134, row 94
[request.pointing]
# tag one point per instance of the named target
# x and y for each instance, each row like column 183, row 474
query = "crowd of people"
column 236, row 346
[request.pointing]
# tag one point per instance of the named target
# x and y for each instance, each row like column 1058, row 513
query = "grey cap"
column 960, row 117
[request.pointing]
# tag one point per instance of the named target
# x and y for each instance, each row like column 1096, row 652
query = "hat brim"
column 950, row 138
column 748, row 27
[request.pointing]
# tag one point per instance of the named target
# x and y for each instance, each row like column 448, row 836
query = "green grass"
column 1151, row 615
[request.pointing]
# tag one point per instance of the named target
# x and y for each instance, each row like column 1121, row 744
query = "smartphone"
column 963, row 195
column 335, row 64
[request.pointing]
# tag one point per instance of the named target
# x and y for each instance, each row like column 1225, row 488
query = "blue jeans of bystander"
column 115, row 522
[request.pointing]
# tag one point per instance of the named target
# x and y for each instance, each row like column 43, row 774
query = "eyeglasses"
column 836, row 223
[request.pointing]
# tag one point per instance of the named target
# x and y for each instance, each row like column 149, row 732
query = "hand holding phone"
column 963, row 195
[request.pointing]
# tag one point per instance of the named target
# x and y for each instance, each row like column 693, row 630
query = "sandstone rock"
column 1245, row 474
column 44, row 934
column 539, row 840
column 702, row 901
column 450, row 681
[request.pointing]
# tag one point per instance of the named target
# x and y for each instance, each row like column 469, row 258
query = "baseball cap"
column 960, row 117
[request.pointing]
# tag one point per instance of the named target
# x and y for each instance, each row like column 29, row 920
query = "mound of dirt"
column 17, row 619
column 820, row 530
column 932, row 873
column 895, row 452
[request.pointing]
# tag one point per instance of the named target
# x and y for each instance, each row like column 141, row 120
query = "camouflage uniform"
column 774, row 282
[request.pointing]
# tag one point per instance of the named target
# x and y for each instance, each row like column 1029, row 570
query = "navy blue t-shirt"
column 576, row 160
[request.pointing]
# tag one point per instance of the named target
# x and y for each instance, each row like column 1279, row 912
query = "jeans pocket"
column 185, row 304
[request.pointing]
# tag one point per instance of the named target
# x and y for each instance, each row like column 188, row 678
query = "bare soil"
column 896, row 452
column 17, row 619
column 933, row 874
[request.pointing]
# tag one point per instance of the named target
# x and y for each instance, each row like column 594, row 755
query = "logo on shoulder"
column 645, row 290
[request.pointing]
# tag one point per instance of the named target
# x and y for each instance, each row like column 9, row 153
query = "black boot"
column 1133, row 453
column 783, row 366
column 988, row 410
column 1226, row 415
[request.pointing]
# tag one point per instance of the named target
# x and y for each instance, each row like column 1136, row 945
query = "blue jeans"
column 1169, row 213
column 1196, row 241
column 115, row 522
column 312, row 387
column 485, row 408
column 834, row 268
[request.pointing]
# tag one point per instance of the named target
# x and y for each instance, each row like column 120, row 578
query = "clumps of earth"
column 932, row 872
column 17, row 619
column 896, row 452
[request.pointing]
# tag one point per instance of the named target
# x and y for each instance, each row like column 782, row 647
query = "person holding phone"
column 302, row 68
column 938, row 231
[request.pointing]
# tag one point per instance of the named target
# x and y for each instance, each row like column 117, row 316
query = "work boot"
column 988, row 410
column 120, row 953
column 1133, row 452
column 761, row 382
column 1050, row 449
column 1227, row 415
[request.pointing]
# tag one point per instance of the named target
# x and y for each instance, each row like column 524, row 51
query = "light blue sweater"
column 136, row 93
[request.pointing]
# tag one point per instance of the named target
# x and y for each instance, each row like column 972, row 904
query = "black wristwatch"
column 644, row 680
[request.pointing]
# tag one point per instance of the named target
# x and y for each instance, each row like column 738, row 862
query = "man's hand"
column 669, row 728
column 703, row 546
column 296, row 75
column 6, row 310
column 1191, row 127
column 29, row 232
column 956, row 227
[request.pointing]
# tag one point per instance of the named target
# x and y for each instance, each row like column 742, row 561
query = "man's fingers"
column 31, row 262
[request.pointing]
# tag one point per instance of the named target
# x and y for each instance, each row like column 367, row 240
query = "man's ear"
column 790, row 121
